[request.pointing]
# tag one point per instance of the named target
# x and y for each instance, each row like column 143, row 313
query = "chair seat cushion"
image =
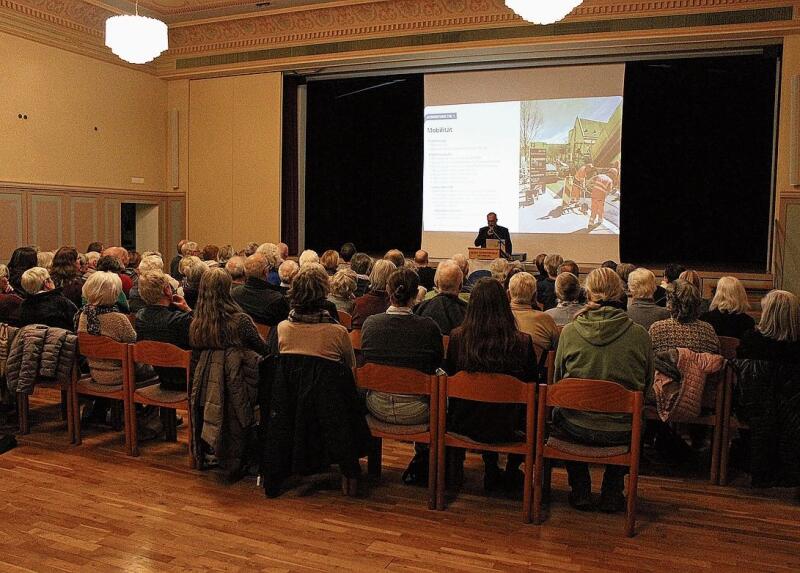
column 376, row 425
column 156, row 393
column 90, row 384
column 478, row 445
column 586, row 451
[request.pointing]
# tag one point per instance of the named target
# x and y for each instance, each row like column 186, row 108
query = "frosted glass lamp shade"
column 543, row 11
column 136, row 39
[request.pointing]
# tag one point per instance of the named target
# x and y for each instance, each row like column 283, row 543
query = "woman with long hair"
column 22, row 259
column 219, row 322
column 728, row 311
column 66, row 274
column 777, row 335
column 488, row 341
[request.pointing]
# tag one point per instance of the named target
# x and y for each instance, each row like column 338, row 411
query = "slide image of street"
column 548, row 214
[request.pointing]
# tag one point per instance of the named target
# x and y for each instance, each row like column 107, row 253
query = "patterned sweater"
column 697, row 335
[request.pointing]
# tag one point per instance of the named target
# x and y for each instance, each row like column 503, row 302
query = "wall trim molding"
column 145, row 194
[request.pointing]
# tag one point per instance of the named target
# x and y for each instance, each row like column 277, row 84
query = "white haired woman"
column 376, row 301
column 728, row 311
column 45, row 304
column 777, row 336
column 642, row 307
column 343, row 285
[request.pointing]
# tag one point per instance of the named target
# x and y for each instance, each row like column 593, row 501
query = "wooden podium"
column 484, row 254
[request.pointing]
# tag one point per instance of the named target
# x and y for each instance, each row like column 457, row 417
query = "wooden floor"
column 91, row 508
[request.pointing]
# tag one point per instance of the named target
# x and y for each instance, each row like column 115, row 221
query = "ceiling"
column 174, row 11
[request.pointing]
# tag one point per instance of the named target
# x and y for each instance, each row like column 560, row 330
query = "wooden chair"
column 132, row 318
column 396, row 380
column 551, row 366
column 355, row 338
column 166, row 356
column 65, row 386
column 728, row 346
column 103, row 348
column 589, row 396
column 491, row 388
column 263, row 330
column 445, row 343
column 346, row 319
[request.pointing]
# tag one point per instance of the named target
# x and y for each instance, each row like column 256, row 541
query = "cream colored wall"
column 66, row 96
column 234, row 159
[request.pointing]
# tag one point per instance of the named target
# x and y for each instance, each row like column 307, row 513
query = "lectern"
column 484, row 254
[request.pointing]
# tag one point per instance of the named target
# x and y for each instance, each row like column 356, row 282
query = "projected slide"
column 544, row 166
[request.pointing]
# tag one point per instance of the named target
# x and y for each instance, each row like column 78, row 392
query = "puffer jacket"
column 40, row 351
column 680, row 398
column 222, row 404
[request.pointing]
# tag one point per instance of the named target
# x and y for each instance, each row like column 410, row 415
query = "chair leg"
column 76, row 418
column 70, row 420
column 440, row 476
column 538, row 481
column 117, row 424
column 189, row 430
column 375, row 458
column 725, row 442
column 433, row 473
column 131, row 429
column 630, row 516
column 64, row 409
column 23, row 412
column 528, row 486
column 716, row 443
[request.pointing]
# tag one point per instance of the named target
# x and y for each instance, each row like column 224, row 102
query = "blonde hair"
column 379, row 276
column 499, row 269
column 463, row 263
column 151, row 263
column 308, row 256
column 33, row 279
column 102, row 288
column 3, row 271
column 189, row 262
column 195, row 272
column 343, row 283
column 270, row 253
column 730, row 296
column 780, row 316
column 522, row 288
column 642, row 283
column 188, row 248
column 551, row 264
column 44, row 259
column 92, row 257
column 603, row 284
column 152, row 285
column 329, row 260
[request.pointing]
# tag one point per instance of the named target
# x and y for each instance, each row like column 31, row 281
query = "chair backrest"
column 487, row 387
column 445, row 343
column 728, row 346
column 355, row 338
column 594, row 396
column 345, row 319
column 551, row 366
column 101, row 347
column 395, row 380
column 263, row 330
column 132, row 319
column 161, row 354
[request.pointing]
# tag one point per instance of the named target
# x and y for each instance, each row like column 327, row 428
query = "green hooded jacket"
column 604, row 344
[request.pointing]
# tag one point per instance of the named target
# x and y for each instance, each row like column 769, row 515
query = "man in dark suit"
column 494, row 231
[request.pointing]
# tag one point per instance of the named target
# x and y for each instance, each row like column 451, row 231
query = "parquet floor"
column 91, row 508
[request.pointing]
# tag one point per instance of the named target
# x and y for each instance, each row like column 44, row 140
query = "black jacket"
column 446, row 310
column 426, row 275
column 51, row 308
column 311, row 417
column 261, row 301
column 499, row 232
column 546, row 293
column 170, row 325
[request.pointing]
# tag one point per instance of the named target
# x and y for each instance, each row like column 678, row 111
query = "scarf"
column 315, row 317
column 93, row 313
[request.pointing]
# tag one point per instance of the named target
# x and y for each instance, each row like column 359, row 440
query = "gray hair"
column 683, row 301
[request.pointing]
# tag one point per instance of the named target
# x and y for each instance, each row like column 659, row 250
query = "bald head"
column 283, row 251
column 421, row 258
column 118, row 253
column 449, row 277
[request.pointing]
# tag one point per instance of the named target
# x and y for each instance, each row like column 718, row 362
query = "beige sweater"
column 115, row 326
column 539, row 325
column 325, row 340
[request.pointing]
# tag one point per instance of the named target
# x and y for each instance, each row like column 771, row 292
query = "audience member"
column 694, row 278
column 307, row 257
column 346, row 253
column 426, row 273
column 343, row 285
column 488, row 341
column 265, row 305
column 396, row 257
column 683, row 329
column 546, row 288
column 192, row 269
column 672, row 272
column 540, row 325
column 642, row 308
column 609, row 265
column 235, row 268
column 173, row 265
column 122, row 256
column 361, row 264
column 22, row 259
column 445, row 308
column 270, row 253
column 95, row 247
column 728, row 310
column 499, row 269
column 777, row 336
column 210, row 256
column 44, row 259
column 311, row 330
column 109, row 264
column 134, row 258
column 568, row 293
column 287, row 271
column 66, row 274
column 283, row 252
column 569, row 266
column 44, row 304
column 602, row 343
column 9, row 300
column 165, row 318
column 541, row 272
column 330, row 261
column 219, row 322
column 375, row 301
column 250, row 249
column 225, row 254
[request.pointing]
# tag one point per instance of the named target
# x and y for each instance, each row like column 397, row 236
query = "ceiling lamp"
column 543, row 11
column 136, row 39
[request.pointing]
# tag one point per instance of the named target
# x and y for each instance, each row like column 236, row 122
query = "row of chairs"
column 536, row 447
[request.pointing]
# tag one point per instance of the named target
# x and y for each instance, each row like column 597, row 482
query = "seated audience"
column 192, row 269
column 283, row 252
column 694, row 278
column 44, row 304
column 44, row 259
column 624, row 270
column 609, row 265
column 777, row 336
column 219, row 322
column 426, row 273
column 225, row 254
column 173, row 265
column 264, row 304
column 235, row 268
column 569, row 266
column 568, row 293
column 95, row 247
column 540, row 325
column 100, row 317
column 375, row 301
column 642, row 307
column 66, row 274
column 249, row 249
column 398, row 337
column 672, row 272
column 346, row 253
column 134, row 258
column 343, row 285
column 287, row 271
column 445, row 308
column 270, row 252
column 541, row 272
column 310, row 329
column 728, row 310
column 330, row 261
column 166, row 318
column 683, row 329
column 396, row 257
column 488, row 341
column 307, row 257
column 22, row 259
column 9, row 301
column 210, row 256
column 499, row 269
column 602, row 343
column 546, row 288
column 361, row 264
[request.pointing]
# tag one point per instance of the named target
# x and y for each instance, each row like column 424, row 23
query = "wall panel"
column 12, row 229
column 85, row 224
column 47, row 221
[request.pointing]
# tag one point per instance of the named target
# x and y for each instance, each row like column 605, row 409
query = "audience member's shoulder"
column 660, row 325
column 428, row 323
